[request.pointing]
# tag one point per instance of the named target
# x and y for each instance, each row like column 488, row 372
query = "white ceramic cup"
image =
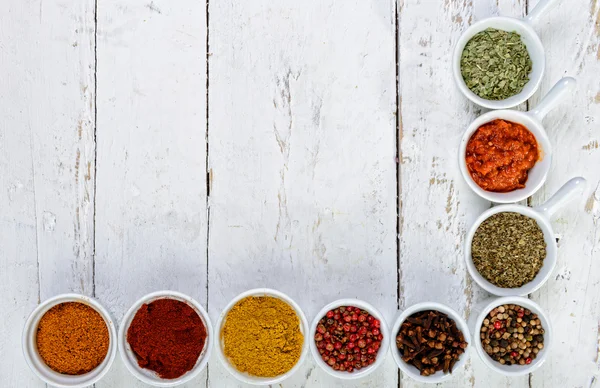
column 531, row 120
column 148, row 376
column 39, row 367
column 530, row 39
column 245, row 377
column 381, row 353
column 480, row 312
column 541, row 214
column 411, row 370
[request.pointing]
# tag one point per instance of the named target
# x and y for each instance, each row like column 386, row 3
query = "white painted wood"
column 46, row 163
column 571, row 36
column 302, row 146
column 436, row 205
column 302, row 158
column 151, row 189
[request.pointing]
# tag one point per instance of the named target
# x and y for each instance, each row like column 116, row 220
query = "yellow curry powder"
column 262, row 336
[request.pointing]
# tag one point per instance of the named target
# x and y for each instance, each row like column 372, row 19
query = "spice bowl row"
column 505, row 157
column 262, row 337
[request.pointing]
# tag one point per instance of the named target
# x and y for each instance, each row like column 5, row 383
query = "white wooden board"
column 151, row 194
column 571, row 36
column 437, row 207
column 302, row 158
column 212, row 147
column 46, row 163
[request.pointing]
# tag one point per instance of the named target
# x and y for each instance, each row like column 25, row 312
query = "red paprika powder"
column 167, row 336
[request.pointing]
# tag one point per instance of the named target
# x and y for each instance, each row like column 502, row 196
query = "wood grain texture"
column 571, row 36
column 46, row 163
column 437, row 207
column 302, row 170
column 302, row 159
column 151, row 202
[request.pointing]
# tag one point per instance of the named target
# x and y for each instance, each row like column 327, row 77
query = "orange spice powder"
column 72, row 338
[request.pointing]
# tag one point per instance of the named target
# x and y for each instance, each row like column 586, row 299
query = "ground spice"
column 508, row 249
column 167, row 336
column 262, row 337
column 72, row 338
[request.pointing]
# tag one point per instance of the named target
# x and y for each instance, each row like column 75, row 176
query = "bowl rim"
column 460, row 323
column 550, row 259
column 381, row 353
column 29, row 346
column 246, row 378
column 512, row 101
column 544, row 145
column 124, row 349
column 523, row 302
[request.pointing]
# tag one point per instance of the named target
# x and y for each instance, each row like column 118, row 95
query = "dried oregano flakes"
column 508, row 249
column 495, row 64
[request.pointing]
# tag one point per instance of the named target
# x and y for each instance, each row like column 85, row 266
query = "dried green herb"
column 508, row 249
column 495, row 64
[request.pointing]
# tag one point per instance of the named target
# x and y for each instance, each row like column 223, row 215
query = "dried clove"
column 431, row 342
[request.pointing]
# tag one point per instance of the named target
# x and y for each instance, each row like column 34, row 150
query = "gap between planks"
column 208, row 170
column 398, row 158
column 95, row 98
column 525, row 12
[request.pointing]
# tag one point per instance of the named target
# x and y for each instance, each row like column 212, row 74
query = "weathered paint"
column 117, row 179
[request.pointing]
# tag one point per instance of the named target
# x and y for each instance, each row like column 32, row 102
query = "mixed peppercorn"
column 348, row 338
column 430, row 341
column 511, row 335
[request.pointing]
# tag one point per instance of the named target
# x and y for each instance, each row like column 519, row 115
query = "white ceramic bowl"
column 39, row 367
column 245, row 377
column 531, row 120
column 130, row 359
column 381, row 353
column 531, row 41
column 411, row 370
column 541, row 214
column 482, row 309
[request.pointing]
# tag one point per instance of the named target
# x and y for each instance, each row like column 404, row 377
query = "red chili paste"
column 500, row 154
column 167, row 336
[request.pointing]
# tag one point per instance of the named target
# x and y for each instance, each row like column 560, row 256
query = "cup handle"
column 564, row 195
column 537, row 11
column 558, row 92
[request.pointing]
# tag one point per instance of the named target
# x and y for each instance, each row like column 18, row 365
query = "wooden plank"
column 46, row 163
column 151, row 193
column 571, row 36
column 437, row 207
column 302, row 159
